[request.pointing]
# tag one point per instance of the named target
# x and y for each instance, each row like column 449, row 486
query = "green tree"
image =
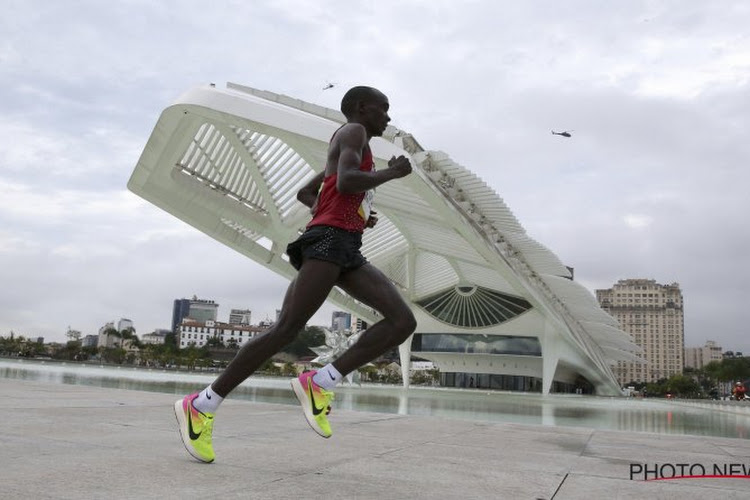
column 735, row 369
column 311, row 336
column 289, row 370
column 189, row 356
column 269, row 368
column 215, row 341
column 683, row 386
column 113, row 355
column 73, row 335
column 368, row 373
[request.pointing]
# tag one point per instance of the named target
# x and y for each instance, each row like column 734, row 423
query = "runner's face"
column 376, row 116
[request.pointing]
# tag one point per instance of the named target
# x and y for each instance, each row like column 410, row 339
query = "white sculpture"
column 336, row 343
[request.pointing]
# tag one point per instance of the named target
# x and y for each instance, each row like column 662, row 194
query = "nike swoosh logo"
column 208, row 396
column 191, row 432
column 315, row 409
column 331, row 375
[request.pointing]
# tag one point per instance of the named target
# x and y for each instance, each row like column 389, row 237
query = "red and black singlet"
column 345, row 211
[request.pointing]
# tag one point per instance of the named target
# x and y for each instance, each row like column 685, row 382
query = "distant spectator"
column 738, row 392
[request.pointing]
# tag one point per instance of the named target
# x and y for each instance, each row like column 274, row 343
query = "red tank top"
column 345, row 211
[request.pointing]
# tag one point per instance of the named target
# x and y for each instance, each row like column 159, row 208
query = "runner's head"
column 367, row 106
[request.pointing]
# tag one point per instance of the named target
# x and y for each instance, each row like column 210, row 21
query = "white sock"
column 327, row 377
column 207, row 401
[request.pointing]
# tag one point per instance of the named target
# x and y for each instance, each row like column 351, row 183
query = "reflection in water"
column 634, row 415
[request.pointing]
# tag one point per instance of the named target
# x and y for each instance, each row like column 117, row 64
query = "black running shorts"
column 328, row 243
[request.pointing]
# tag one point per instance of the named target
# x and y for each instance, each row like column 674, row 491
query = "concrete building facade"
column 124, row 324
column 698, row 357
column 240, row 316
column 198, row 333
column 341, row 321
column 652, row 314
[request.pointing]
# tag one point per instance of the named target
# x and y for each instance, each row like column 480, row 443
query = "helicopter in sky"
column 565, row 133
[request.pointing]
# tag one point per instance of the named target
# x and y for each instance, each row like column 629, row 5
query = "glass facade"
column 476, row 343
column 471, row 343
column 491, row 381
column 180, row 311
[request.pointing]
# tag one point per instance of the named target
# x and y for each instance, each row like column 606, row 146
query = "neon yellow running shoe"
column 315, row 401
column 195, row 429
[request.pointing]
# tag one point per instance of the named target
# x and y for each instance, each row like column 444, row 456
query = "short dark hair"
column 355, row 95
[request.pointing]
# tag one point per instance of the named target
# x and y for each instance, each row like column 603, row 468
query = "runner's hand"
column 401, row 166
column 372, row 220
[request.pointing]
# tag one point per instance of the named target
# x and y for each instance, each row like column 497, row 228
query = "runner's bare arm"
column 352, row 141
column 309, row 192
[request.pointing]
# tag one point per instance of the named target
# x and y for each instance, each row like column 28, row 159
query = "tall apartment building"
column 652, row 314
column 698, row 357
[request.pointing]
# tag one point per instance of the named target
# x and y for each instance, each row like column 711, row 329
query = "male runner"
column 326, row 255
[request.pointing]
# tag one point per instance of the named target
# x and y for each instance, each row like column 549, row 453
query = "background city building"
column 195, row 309
column 109, row 334
column 240, row 316
column 698, row 357
column 105, row 338
column 198, row 333
column 653, row 316
column 90, row 341
column 124, row 324
column 158, row 336
column 341, row 321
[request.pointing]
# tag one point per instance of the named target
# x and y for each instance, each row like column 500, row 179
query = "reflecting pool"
column 636, row 415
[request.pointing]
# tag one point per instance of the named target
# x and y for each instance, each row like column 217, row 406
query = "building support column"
column 550, row 357
column 404, row 352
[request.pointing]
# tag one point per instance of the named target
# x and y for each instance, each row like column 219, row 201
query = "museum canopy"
column 489, row 300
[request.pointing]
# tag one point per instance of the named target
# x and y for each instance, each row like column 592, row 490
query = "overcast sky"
column 653, row 183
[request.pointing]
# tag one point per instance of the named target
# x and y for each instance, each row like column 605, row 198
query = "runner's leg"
column 303, row 298
column 369, row 285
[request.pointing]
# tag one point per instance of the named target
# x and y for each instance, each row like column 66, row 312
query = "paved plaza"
column 83, row 442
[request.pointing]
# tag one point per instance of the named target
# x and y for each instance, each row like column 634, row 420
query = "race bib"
column 366, row 206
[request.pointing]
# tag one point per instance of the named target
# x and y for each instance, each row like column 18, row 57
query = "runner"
column 326, row 255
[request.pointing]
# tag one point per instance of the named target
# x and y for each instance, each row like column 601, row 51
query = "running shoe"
column 195, row 429
column 315, row 401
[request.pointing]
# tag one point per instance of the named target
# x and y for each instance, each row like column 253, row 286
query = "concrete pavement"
column 69, row 441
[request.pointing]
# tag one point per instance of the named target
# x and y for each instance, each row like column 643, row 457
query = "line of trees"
column 18, row 345
column 127, row 349
column 700, row 383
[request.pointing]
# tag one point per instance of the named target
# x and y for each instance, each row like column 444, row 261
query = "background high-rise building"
column 340, row 321
column 652, row 314
column 90, row 341
column 180, row 311
column 240, row 317
column 698, row 357
column 124, row 324
column 195, row 309
column 105, row 338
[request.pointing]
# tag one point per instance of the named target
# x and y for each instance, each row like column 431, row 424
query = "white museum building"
column 495, row 308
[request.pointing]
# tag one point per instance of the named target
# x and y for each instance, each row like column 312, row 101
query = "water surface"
column 635, row 415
